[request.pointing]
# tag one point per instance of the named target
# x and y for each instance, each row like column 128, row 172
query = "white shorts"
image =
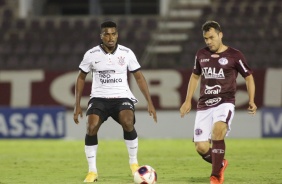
column 206, row 118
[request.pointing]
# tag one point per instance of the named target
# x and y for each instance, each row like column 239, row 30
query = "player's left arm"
column 250, row 83
column 246, row 72
column 142, row 84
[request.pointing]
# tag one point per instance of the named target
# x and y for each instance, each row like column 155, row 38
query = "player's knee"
column 201, row 148
column 92, row 128
column 219, row 131
column 127, row 125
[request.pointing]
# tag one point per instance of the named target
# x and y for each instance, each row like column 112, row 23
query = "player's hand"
column 252, row 108
column 185, row 108
column 152, row 112
column 77, row 111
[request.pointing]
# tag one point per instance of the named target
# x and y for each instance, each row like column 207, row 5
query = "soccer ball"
column 145, row 175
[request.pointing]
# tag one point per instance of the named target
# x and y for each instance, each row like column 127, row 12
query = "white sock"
column 132, row 148
column 91, row 152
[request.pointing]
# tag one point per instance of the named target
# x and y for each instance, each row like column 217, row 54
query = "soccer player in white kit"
column 217, row 67
column 110, row 95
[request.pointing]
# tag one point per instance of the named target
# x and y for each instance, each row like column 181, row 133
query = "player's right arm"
column 193, row 83
column 79, row 85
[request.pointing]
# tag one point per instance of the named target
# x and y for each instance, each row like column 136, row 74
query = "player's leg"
column 126, row 119
column 202, row 130
column 222, row 116
column 124, row 115
column 218, row 146
column 95, row 117
column 203, row 148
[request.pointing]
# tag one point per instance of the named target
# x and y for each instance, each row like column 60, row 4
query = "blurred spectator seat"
column 7, row 14
column 6, row 25
column 151, row 24
column 28, row 62
column 13, row 62
column 248, row 11
column 20, row 24
column 136, row 22
column 49, row 25
column 35, row 48
column 122, row 23
column 50, row 48
column 64, row 48
column 21, row 48
column 35, row 25
column 65, row 25
column 79, row 48
column 42, row 61
column 2, row 3
column 5, row 48
column 72, row 62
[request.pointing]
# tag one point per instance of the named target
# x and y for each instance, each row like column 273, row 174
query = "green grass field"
column 251, row 161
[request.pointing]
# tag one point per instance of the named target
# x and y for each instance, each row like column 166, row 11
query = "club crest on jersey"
column 121, row 60
column 223, row 61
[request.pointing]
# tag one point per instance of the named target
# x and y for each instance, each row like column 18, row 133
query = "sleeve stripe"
column 83, row 71
column 133, row 71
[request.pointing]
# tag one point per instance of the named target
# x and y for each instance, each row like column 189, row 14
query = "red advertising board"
column 27, row 88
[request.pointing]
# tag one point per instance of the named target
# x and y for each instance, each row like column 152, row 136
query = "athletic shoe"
column 91, row 177
column 134, row 168
column 214, row 180
column 221, row 172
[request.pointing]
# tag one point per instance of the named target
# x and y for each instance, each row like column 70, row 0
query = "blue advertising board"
column 271, row 119
column 34, row 122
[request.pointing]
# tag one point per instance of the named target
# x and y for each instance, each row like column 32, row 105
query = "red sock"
column 218, row 152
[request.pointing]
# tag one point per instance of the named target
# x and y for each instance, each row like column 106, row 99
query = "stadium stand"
column 52, row 42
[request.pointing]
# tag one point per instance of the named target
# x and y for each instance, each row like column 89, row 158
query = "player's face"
column 109, row 37
column 213, row 39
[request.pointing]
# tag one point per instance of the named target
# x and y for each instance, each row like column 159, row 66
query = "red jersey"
column 218, row 75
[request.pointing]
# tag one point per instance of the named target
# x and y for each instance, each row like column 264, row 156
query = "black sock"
column 130, row 135
column 91, row 140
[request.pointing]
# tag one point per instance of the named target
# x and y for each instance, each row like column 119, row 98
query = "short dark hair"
column 107, row 24
column 211, row 24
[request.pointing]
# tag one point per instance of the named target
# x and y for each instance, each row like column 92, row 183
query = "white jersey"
column 109, row 71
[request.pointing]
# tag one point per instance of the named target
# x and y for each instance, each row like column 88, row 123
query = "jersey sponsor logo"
column 121, row 60
column 204, row 60
column 212, row 89
column 93, row 51
column 107, row 80
column 213, row 101
column 223, row 61
column 212, row 73
column 123, row 49
column 105, row 77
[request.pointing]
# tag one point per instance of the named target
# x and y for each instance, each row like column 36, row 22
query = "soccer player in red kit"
column 217, row 67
